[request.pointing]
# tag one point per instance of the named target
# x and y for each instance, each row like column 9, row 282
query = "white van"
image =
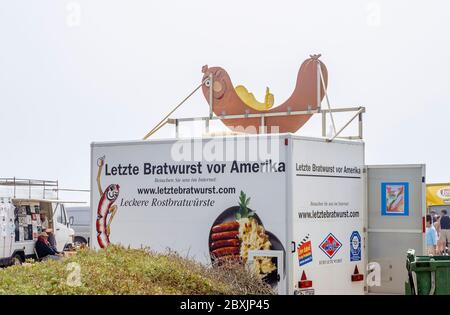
column 20, row 225
column 80, row 222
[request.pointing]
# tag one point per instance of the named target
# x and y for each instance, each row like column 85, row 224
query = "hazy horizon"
column 74, row 72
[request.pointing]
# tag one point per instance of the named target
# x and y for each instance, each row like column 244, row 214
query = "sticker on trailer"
column 304, row 251
column 395, row 199
column 305, row 286
column 305, row 292
column 355, row 246
column 330, row 246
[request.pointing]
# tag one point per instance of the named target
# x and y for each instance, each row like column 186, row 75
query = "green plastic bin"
column 427, row 275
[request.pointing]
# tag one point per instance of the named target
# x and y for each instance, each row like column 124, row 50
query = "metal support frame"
column 359, row 111
column 262, row 116
column 259, row 115
column 358, row 114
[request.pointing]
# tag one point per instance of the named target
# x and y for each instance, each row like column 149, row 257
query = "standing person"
column 431, row 237
column 444, row 236
column 436, row 223
column 438, row 231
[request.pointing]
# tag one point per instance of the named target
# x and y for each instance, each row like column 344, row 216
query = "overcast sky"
column 73, row 72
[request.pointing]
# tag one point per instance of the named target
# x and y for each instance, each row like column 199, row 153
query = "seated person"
column 45, row 228
column 45, row 250
column 44, row 220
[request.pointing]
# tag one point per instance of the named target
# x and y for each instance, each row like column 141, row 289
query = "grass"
column 118, row 270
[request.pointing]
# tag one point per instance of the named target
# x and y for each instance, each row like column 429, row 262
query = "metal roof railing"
column 31, row 186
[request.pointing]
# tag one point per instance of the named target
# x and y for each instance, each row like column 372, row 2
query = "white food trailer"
column 299, row 209
column 172, row 193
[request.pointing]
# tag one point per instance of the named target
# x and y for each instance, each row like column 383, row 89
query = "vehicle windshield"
column 59, row 213
column 80, row 218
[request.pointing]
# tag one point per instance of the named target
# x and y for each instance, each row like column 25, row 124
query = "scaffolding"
column 13, row 187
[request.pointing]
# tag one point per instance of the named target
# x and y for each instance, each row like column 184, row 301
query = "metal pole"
column 328, row 101
column 176, row 128
column 360, row 126
column 72, row 190
column 318, row 85
column 262, row 127
column 324, row 124
column 211, row 83
column 14, row 187
column 164, row 120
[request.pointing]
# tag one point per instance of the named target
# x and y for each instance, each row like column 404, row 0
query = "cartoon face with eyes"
column 112, row 192
column 221, row 80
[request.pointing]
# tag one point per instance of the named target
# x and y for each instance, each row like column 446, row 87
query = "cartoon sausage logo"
column 229, row 100
column 106, row 207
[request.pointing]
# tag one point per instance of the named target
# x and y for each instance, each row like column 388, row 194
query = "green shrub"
column 118, row 270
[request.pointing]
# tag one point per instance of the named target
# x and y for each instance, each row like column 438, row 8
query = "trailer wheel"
column 78, row 240
column 16, row 259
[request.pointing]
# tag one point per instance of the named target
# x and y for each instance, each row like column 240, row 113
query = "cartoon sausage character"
column 227, row 100
column 106, row 207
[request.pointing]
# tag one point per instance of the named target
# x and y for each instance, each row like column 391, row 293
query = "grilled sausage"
column 228, row 226
column 225, row 243
column 229, row 258
column 224, row 251
column 224, row 235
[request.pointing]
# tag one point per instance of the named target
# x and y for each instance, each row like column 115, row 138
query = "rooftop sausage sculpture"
column 228, row 100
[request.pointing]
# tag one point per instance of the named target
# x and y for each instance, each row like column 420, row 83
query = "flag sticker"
column 304, row 251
